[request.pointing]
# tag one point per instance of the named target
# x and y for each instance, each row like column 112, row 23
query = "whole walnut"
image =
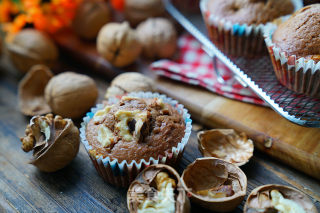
column 119, row 44
column 90, row 17
column 137, row 11
column 30, row 47
column 70, row 94
column 158, row 38
column 129, row 82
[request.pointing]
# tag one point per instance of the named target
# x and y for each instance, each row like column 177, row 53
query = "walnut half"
column 54, row 141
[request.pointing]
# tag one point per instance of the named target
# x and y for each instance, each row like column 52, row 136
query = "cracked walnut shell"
column 70, row 94
column 158, row 37
column 31, row 91
column 278, row 198
column 227, row 145
column 30, row 47
column 129, row 82
column 157, row 188
column 215, row 184
column 119, row 44
column 90, row 17
column 54, row 141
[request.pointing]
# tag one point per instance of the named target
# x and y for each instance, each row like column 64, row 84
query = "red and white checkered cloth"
column 194, row 66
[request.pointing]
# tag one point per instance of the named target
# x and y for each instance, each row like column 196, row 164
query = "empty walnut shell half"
column 227, row 145
column 215, row 184
column 273, row 198
column 30, row 47
column 54, row 141
column 129, row 82
column 31, row 91
column 158, row 188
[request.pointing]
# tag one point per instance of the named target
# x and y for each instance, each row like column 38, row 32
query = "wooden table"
column 78, row 187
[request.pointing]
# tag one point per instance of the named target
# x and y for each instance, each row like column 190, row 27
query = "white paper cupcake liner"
column 123, row 173
column 300, row 75
column 236, row 39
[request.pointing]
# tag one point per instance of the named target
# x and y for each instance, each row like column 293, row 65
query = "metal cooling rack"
column 257, row 74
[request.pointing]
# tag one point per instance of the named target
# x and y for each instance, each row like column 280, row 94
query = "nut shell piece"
column 227, row 145
column 208, row 173
column 158, row 37
column 54, row 141
column 31, row 91
column 30, row 47
column 129, row 82
column 90, row 17
column 259, row 199
column 137, row 11
column 146, row 180
column 119, row 44
column 70, row 94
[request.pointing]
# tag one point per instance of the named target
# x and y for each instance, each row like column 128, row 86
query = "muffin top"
column 250, row 11
column 300, row 34
column 135, row 129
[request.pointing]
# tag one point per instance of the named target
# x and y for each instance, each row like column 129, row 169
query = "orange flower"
column 49, row 16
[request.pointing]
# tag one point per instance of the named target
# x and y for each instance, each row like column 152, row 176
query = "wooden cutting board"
column 292, row 144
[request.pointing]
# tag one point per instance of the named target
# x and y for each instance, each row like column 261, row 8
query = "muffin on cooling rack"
column 294, row 47
column 140, row 130
column 236, row 27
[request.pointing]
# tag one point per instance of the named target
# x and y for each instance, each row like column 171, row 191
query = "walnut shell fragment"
column 215, row 184
column 158, row 37
column 30, row 47
column 31, row 91
column 227, row 145
column 71, row 94
column 54, row 141
column 159, row 188
column 129, row 82
column 90, row 17
column 278, row 198
column 119, row 44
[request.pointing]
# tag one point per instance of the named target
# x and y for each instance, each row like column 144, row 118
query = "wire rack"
column 257, row 74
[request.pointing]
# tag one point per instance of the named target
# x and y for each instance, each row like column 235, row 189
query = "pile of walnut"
column 67, row 94
column 54, row 141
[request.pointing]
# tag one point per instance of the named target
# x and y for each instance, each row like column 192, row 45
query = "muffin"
column 294, row 47
column 236, row 27
column 141, row 129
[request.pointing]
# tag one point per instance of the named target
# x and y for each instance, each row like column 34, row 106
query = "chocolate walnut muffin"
column 135, row 129
column 250, row 11
column 299, row 35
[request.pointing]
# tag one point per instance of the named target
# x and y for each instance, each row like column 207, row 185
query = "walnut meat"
column 137, row 11
column 157, row 189
column 90, row 17
column 54, row 141
column 158, row 38
column 70, row 94
column 129, row 82
column 31, row 91
column 30, row 47
column 278, row 198
column 119, row 44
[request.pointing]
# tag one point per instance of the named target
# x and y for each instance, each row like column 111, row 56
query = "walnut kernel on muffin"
column 135, row 129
